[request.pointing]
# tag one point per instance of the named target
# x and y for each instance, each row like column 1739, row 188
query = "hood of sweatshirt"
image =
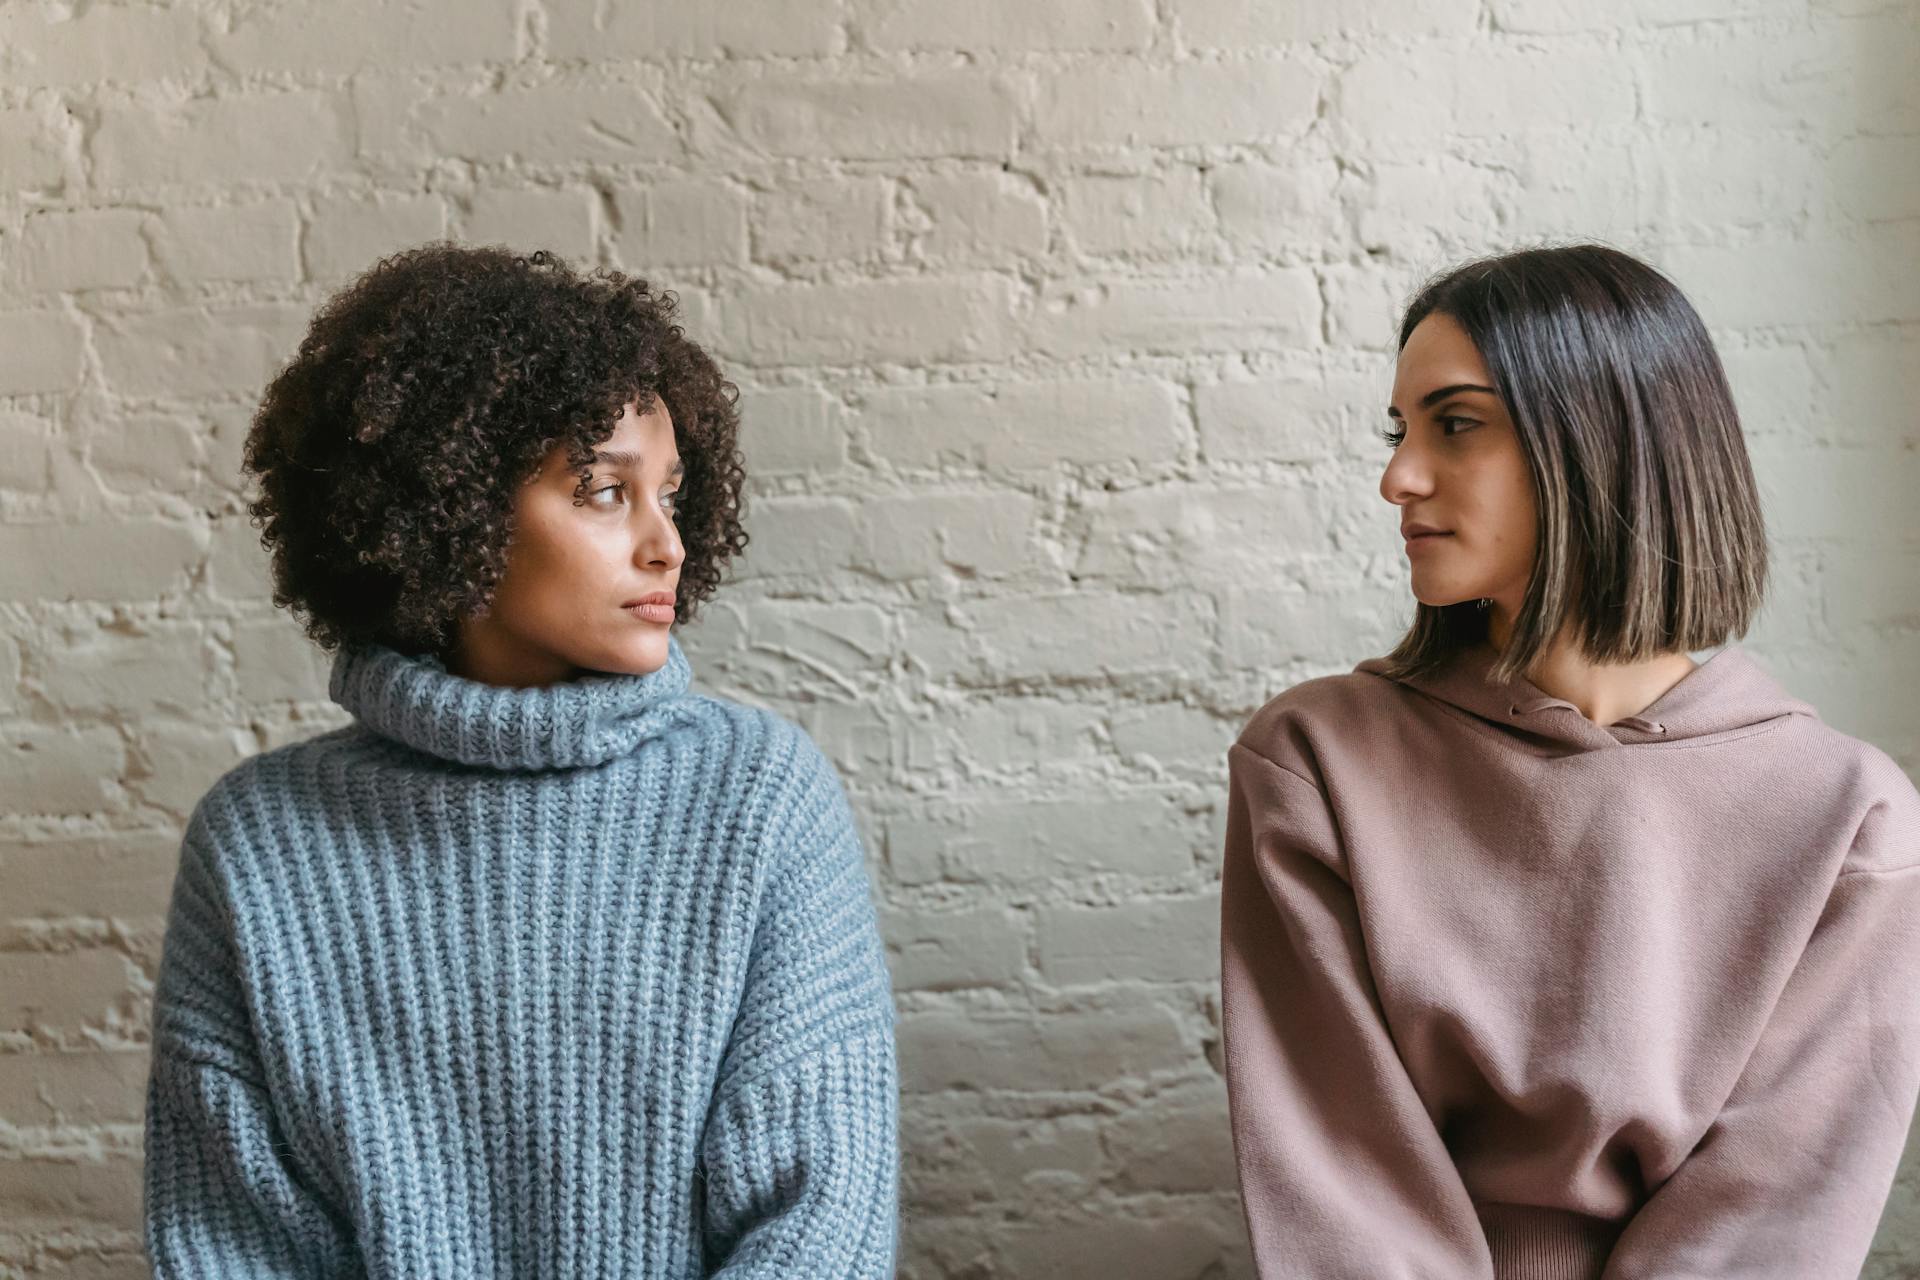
column 1727, row 694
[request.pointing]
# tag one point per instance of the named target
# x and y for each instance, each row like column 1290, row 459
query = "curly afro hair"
column 426, row 393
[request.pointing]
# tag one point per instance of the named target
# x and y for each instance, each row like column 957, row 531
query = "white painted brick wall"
column 1062, row 329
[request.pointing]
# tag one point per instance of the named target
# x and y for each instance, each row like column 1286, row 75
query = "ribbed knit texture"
column 579, row 981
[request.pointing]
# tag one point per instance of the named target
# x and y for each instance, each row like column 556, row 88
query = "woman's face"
column 590, row 578
column 1457, row 474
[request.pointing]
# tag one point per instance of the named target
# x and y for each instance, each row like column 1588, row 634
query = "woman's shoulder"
column 263, row 808
column 1864, row 783
column 275, row 775
column 1283, row 729
column 744, row 734
column 787, row 800
column 779, row 771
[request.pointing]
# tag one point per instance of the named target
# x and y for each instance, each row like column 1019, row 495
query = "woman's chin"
column 1441, row 595
column 633, row 657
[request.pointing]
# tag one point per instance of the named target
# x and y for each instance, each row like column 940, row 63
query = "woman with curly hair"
column 1549, row 951
column 545, row 965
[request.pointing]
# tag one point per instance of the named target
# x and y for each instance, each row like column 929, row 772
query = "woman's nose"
column 659, row 545
column 1407, row 476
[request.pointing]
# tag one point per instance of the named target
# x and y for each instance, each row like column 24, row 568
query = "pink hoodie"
column 1511, row 994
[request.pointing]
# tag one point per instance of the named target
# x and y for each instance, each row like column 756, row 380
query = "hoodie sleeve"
column 1342, row 1171
column 1792, row 1176
column 223, row 1195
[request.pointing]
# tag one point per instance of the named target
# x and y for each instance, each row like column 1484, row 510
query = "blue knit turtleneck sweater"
column 577, row 981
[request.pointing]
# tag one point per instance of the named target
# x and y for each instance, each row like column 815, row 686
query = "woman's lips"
column 656, row 607
column 1416, row 540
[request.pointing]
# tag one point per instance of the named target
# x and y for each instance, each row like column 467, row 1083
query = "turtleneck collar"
column 587, row 721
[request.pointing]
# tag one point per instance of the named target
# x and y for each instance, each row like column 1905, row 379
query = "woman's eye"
column 596, row 495
column 670, row 502
column 1454, row 426
column 1393, row 436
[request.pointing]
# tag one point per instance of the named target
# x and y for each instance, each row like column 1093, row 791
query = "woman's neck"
column 1604, row 692
column 490, row 654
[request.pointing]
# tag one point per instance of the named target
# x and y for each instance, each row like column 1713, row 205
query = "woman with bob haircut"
column 544, row 965
column 1547, row 952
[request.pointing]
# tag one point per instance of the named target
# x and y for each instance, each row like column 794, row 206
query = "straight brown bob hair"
column 1650, row 538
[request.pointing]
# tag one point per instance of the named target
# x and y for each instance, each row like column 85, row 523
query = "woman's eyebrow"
column 1435, row 396
column 625, row 458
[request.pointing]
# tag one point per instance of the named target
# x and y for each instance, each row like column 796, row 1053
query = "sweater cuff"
column 1546, row 1244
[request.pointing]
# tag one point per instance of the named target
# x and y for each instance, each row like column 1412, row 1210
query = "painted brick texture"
column 1062, row 330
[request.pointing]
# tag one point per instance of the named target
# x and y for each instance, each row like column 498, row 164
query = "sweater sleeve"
column 1342, row 1170
column 1793, row 1174
column 801, row 1151
column 223, row 1196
